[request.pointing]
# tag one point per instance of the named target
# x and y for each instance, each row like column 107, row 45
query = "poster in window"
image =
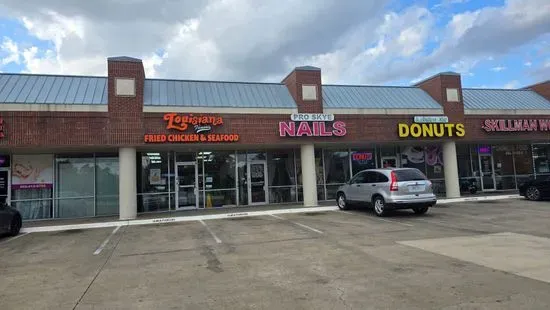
column 32, row 171
column 155, row 177
column 413, row 157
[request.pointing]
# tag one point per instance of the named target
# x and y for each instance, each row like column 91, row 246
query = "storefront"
column 121, row 145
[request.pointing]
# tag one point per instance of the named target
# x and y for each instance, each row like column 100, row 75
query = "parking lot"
column 476, row 255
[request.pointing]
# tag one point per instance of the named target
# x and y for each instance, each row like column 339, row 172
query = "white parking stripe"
column 210, row 231
column 299, row 224
column 380, row 219
column 395, row 222
column 102, row 246
column 13, row 238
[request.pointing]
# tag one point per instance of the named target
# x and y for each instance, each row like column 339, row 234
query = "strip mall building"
column 75, row 146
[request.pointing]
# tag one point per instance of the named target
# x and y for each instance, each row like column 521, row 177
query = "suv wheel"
column 342, row 202
column 379, row 206
column 15, row 225
column 532, row 193
column 421, row 210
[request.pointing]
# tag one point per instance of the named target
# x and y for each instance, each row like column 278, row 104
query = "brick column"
column 304, row 78
column 126, row 125
column 437, row 86
column 446, row 89
column 125, row 112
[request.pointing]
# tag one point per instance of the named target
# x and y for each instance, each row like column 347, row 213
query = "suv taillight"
column 393, row 185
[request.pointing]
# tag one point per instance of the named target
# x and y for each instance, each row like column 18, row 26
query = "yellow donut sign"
column 431, row 130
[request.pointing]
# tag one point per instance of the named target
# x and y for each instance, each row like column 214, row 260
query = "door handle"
column 373, row 185
column 357, row 185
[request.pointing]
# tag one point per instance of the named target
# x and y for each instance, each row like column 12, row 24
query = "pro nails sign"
column 312, row 125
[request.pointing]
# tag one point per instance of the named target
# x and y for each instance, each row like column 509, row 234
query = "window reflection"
column 154, row 178
column 281, row 176
column 362, row 159
column 74, row 186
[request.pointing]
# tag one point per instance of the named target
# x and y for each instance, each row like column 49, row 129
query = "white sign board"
column 312, row 117
column 431, row 119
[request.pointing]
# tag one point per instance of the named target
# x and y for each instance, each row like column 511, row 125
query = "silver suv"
column 387, row 189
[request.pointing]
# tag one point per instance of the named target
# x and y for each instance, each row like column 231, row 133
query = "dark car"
column 10, row 220
column 536, row 189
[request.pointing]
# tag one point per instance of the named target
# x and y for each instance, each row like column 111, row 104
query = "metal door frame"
column 249, row 185
column 195, row 186
column 8, row 181
column 494, row 188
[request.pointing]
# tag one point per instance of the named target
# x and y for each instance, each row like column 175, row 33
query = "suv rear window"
column 409, row 175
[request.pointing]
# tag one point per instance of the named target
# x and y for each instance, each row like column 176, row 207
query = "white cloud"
column 11, row 50
column 465, row 66
column 511, row 85
column 498, row 68
column 353, row 41
column 528, row 64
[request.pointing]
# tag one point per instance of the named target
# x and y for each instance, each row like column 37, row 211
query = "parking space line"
column 299, row 224
column 13, row 238
column 102, row 246
column 378, row 218
column 395, row 222
column 218, row 240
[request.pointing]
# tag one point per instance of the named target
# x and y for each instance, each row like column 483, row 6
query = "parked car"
column 388, row 189
column 535, row 189
column 10, row 220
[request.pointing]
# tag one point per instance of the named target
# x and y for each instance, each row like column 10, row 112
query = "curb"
column 228, row 215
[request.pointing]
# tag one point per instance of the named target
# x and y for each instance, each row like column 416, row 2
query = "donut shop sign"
column 312, row 125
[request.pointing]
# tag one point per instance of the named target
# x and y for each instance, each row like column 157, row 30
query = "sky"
column 491, row 43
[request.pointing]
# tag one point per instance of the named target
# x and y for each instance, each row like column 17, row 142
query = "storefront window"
column 541, row 158
column 434, row 162
column 388, row 157
column 74, row 186
column 414, row 157
column 281, row 176
column 524, row 163
column 464, row 161
column 320, row 175
column 154, row 178
column 32, row 183
column 362, row 159
column 242, row 178
column 255, row 155
column 504, row 166
column 337, row 170
column 219, row 178
column 107, row 176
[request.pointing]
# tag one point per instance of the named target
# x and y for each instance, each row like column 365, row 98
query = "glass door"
column 257, row 182
column 186, row 186
column 487, row 172
column 4, row 186
column 389, row 162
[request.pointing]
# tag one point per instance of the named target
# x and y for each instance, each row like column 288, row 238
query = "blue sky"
column 492, row 43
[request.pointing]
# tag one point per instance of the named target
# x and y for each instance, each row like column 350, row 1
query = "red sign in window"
column 361, row 156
